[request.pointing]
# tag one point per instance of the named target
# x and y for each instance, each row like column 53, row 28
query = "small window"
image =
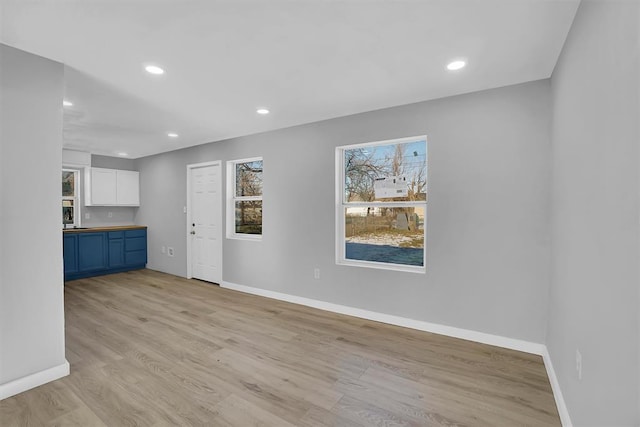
column 244, row 199
column 70, row 202
column 381, row 204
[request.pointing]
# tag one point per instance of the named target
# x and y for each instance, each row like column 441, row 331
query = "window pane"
column 391, row 235
column 249, row 217
column 68, row 184
column 67, row 212
column 395, row 172
column 249, row 179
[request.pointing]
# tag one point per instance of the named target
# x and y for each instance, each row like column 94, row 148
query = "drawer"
column 135, row 257
column 135, row 243
column 135, row 233
column 116, row 235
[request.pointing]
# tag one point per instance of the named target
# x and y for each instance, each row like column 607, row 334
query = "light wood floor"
column 151, row 349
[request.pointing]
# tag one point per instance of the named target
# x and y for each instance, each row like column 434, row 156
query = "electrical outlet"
column 184, row 209
column 110, row 214
column 164, row 250
column 170, row 251
column 87, row 215
column 316, row 273
column 579, row 364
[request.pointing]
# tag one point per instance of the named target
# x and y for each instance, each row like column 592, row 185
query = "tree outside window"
column 245, row 204
column 382, row 202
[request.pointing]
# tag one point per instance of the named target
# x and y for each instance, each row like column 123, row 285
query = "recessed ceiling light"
column 122, row 154
column 262, row 111
column 456, row 65
column 67, row 103
column 154, row 69
column 172, row 135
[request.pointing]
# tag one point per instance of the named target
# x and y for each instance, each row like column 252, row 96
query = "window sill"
column 382, row 266
column 248, row 237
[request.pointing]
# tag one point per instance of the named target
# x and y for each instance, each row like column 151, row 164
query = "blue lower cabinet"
column 135, row 248
column 92, row 252
column 70, row 253
column 89, row 254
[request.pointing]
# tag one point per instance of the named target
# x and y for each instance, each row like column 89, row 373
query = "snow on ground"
column 382, row 239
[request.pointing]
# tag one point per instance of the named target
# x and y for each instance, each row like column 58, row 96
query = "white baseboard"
column 557, row 393
column 465, row 334
column 34, row 380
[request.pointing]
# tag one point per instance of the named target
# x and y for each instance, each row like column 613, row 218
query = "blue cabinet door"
column 92, row 251
column 116, row 249
column 70, row 253
column 116, row 253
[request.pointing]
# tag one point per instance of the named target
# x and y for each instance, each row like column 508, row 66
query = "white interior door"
column 205, row 222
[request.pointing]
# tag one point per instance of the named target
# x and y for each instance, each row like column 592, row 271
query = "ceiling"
column 304, row 60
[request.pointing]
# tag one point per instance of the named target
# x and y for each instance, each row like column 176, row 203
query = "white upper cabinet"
column 111, row 187
column 100, row 187
column 127, row 188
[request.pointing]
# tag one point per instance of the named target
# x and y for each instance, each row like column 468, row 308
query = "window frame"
column 341, row 204
column 75, row 198
column 232, row 199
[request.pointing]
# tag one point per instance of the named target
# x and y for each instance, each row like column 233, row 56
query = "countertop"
column 108, row 228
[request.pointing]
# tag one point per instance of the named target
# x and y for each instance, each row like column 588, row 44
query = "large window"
column 70, row 201
column 244, row 199
column 381, row 204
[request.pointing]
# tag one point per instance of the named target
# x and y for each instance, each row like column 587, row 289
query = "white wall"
column 31, row 291
column 594, row 293
column 488, row 216
column 109, row 162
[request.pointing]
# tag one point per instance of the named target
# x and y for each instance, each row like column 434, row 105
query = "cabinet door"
column 128, row 188
column 116, row 253
column 70, row 253
column 102, row 187
column 92, row 251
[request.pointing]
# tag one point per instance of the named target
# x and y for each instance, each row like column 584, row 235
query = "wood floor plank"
column 371, row 415
column 151, row 349
column 318, row 417
column 300, row 385
column 80, row 417
column 159, row 394
column 429, row 409
column 234, row 411
column 109, row 400
column 49, row 403
column 15, row 412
